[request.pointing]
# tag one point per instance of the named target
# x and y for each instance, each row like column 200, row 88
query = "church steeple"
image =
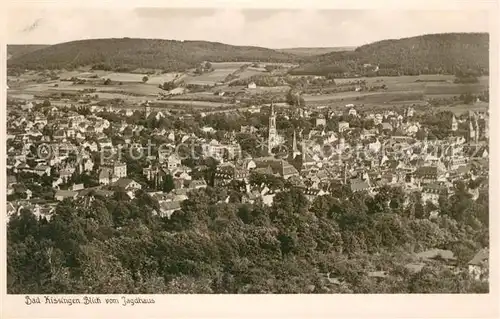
column 295, row 150
column 272, row 118
column 472, row 128
column 273, row 135
column 454, row 124
column 476, row 128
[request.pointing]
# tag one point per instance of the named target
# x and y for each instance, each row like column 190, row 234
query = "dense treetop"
column 427, row 54
column 15, row 50
column 128, row 53
column 211, row 245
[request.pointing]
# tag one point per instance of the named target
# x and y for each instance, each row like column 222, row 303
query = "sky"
column 272, row 28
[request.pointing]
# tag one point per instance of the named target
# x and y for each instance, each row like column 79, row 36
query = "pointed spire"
column 345, row 173
column 476, row 129
column 294, row 143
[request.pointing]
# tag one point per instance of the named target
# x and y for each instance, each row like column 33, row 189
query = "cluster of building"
column 388, row 154
column 53, row 147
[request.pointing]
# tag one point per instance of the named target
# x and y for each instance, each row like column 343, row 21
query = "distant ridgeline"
column 427, row 54
column 129, row 54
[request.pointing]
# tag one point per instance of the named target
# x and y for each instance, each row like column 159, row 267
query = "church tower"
column 295, row 150
column 472, row 129
column 454, row 124
column 476, row 128
column 273, row 134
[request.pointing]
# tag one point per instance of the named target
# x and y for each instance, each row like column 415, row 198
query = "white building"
column 217, row 150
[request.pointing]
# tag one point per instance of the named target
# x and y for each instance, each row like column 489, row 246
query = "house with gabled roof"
column 61, row 195
column 435, row 254
column 167, row 208
column 127, row 184
column 478, row 265
column 197, row 183
column 42, row 170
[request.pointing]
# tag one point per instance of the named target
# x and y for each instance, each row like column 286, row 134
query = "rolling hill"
column 128, row 54
column 15, row 50
column 427, row 54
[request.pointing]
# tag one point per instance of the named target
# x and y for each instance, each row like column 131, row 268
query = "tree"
column 107, row 82
column 420, row 135
column 468, row 98
column 294, row 98
column 116, row 244
column 168, row 183
column 145, row 79
column 468, row 76
column 167, row 86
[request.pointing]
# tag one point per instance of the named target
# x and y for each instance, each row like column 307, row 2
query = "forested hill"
column 426, row 54
column 128, row 53
column 15, row 50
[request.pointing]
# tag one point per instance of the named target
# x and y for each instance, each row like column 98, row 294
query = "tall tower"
column 454, row 124
column 345, row 173
column 295, row 150
column 273, row 134
column 472, row 131
column 476, row 128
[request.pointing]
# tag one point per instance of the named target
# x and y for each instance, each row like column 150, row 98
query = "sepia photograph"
column 166, row 150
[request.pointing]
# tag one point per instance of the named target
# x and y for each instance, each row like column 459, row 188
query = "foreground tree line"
column 217, row 244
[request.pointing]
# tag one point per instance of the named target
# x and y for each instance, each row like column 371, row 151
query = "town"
column 57, row 153
column 102, row 164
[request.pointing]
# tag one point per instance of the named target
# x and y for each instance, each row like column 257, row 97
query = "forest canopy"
column 100, row 245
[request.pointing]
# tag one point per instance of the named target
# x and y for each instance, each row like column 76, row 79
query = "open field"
column 63, row 74
column 403, row 88
column 228, row 65
column 132, row 88
column 124, row 77
column 457, row 89
column 21, row 95
column 248, row 73
column 462, row 108
column 366, row 97
column 237, row 65
column 189, row 103
column 64, row 86
column 125, row 97
column 400, row 90
column 398, row 79
column 337, row 96
column 270, row 89
column 155, row 79
column 210, row 78
column 411, row 81
column 162, row 78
